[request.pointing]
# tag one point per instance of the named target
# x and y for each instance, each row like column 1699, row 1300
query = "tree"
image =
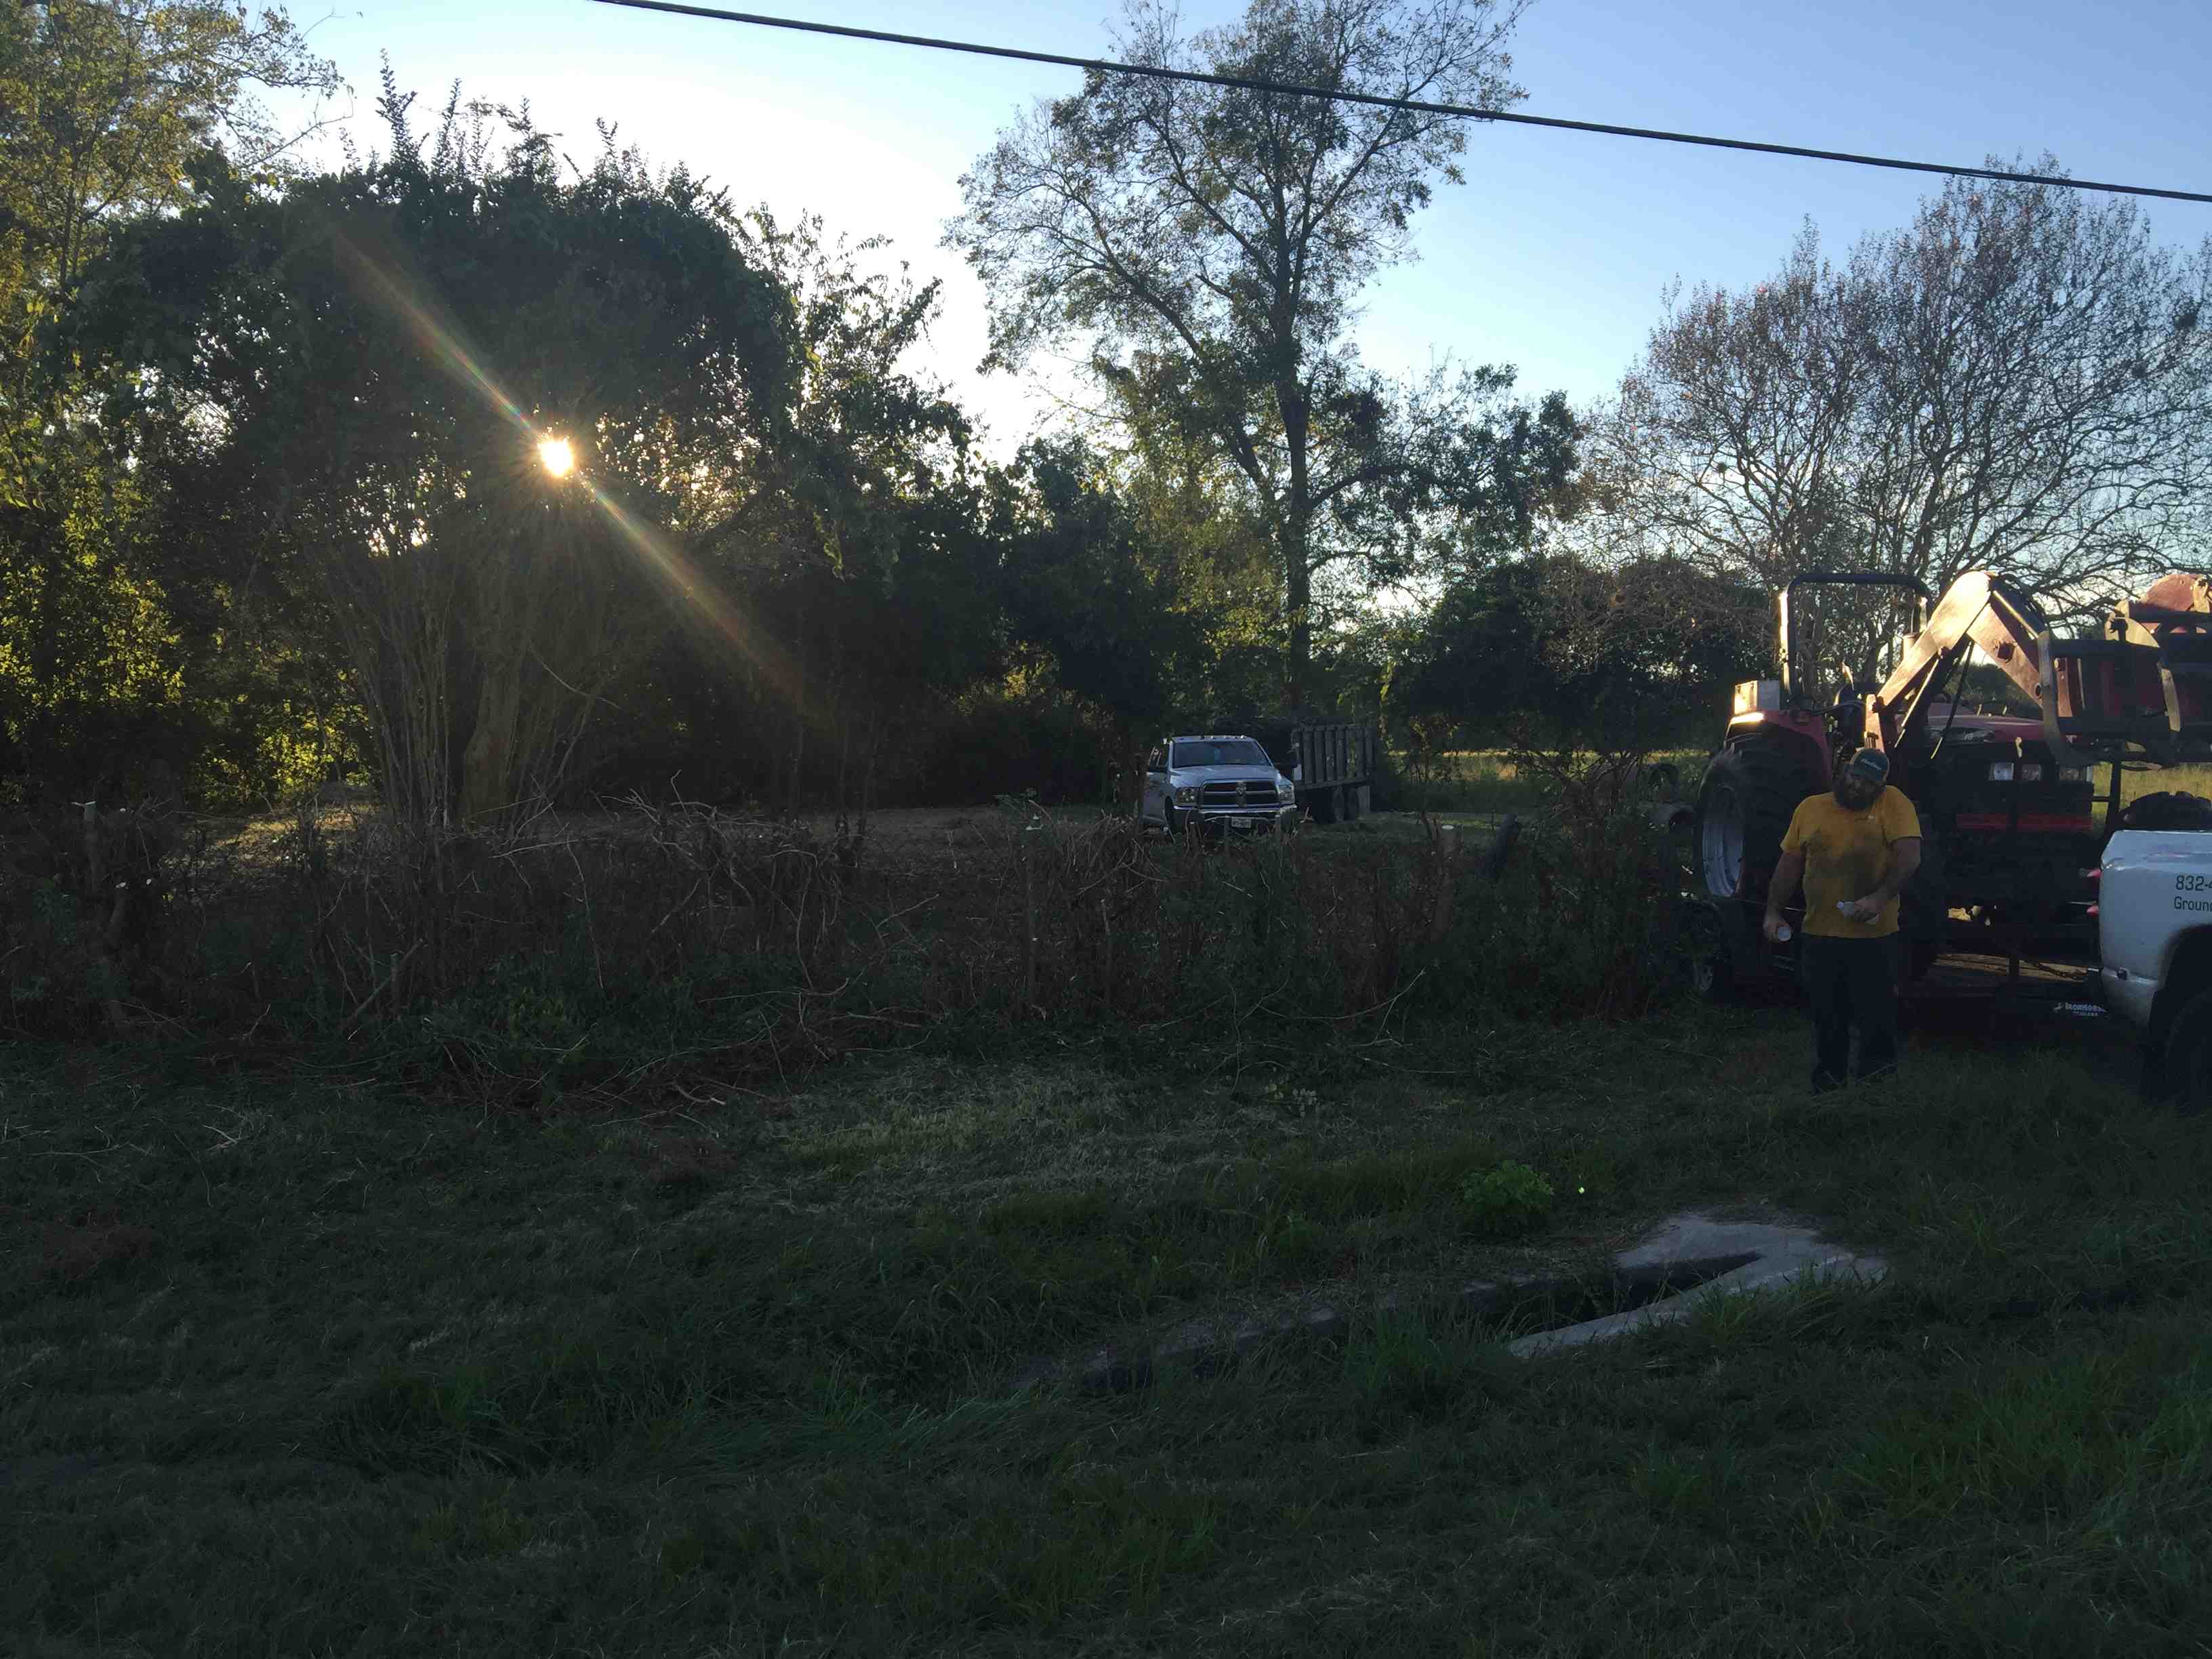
column 1216, row 555
column 1085, row 584
column 1554, row 651
column 104, row 107
column 2019, row 381
column 1208, row 246
column 867, row 568
column 362, row 368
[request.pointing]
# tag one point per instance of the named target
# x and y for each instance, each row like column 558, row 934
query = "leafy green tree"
column 1206, row 248
column 1085, row 585
column 364, row 368
column 865, row 558
column 104, row 107
column 1216, row 555
column 767, row 569
column 1555, row 652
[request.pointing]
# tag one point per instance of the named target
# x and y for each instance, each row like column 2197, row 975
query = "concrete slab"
column 1780, row 1255
column 1687, row 1257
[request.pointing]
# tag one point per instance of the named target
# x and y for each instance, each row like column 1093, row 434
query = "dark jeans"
column 1851, row 982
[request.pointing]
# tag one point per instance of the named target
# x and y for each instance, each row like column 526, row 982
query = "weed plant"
column 609, row 960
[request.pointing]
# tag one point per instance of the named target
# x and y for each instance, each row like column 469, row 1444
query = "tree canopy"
column 275, row 495
column 1204, row 248
column 360, row 370
column 108, row 108
column 2019, row 381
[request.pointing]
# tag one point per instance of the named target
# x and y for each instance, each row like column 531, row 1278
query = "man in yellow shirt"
column 1855, row 847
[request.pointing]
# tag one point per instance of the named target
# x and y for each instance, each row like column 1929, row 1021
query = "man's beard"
column 1856, row 796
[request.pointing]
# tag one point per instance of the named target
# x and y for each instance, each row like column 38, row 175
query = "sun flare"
column 557, row 457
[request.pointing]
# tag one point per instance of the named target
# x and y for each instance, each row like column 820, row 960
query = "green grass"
column 301, row 1366
column 2133, row 785
column 1485, row 782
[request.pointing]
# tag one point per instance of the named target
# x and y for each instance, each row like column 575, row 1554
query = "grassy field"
column 304, row 1363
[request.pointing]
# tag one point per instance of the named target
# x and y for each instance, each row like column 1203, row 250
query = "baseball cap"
column 1870, row 766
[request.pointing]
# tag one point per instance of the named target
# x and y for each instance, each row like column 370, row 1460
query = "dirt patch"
column 77, row 1246
column 692, row 1161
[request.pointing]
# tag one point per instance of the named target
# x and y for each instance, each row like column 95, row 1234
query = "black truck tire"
column 1751, row 789
column 2185, row 1067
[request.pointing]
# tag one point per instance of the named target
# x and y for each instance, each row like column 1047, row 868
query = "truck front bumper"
column 1244, row 820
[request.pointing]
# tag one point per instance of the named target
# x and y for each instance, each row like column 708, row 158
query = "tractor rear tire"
column 1751, row 790
column 2168, row 810
column 1706, row 955
column 2185, row 1067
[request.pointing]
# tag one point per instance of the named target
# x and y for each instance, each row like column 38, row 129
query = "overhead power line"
column 1468, row 112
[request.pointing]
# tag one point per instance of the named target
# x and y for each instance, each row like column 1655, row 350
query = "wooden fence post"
column 1447, row 882
column 1029, row 918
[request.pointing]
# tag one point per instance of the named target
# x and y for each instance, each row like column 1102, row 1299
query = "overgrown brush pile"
column 617, row 955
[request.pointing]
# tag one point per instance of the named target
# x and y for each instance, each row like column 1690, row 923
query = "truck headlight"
column 1285, row 791
column 2031, row 772
column 2000, row 771
column 1185, row 794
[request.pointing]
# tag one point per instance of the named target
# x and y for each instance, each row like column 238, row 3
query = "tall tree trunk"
column 488, row 785
column 1297, row 596
column 1298, row 525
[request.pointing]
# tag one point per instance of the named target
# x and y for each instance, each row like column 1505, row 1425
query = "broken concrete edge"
column 1208, row 1346
column 1767, row 1273
column 1687, row 1260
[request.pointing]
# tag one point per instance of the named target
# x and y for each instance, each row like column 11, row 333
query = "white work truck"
column 1218, row 783
column 2155, row 941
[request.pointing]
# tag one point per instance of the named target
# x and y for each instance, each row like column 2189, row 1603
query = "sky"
column 1555, row 255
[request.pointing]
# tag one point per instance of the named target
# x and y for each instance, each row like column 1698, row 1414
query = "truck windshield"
column 1224, row 751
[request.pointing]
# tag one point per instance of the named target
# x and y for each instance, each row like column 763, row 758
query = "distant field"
column 1486, row 781
column 1481, row 781
column 2192, row 780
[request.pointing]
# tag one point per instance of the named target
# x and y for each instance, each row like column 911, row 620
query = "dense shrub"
column 1506, row 1201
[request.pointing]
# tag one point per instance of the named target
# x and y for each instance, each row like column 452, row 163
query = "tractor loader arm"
column 1979, row 609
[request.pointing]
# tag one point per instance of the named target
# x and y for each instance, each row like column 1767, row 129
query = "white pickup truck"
column 2154, row 940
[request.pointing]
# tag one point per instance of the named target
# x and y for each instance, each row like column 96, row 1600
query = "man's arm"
column 1787, row 874
column 1904, row 859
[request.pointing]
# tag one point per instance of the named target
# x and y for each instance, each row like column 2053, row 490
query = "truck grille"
column 1232, row 794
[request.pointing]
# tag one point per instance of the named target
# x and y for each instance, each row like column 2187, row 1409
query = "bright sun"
column 555, row 456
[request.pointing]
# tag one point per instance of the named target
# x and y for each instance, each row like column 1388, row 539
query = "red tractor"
column 2007, row 797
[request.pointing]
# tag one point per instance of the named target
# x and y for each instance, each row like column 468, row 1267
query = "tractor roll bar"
column 1840, row 578
column 1859, row 578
